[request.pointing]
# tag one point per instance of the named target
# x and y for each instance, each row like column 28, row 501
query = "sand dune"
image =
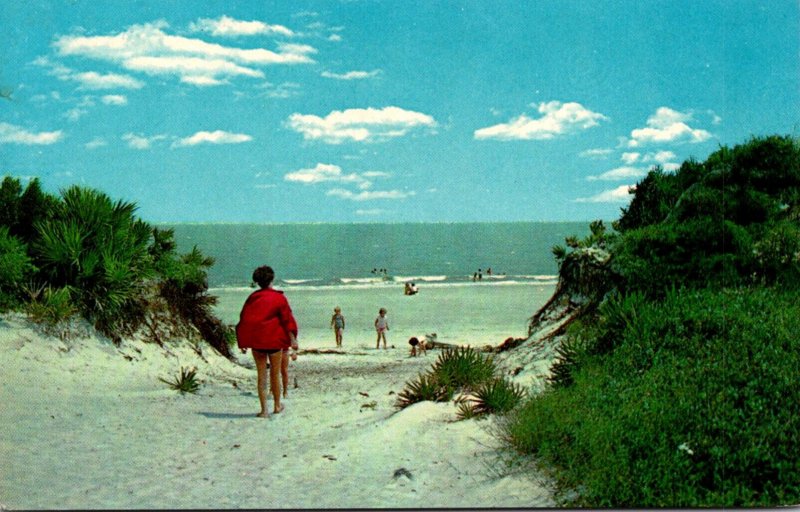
column 87, row 424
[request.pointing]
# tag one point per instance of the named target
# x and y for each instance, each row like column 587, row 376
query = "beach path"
column 89, row 425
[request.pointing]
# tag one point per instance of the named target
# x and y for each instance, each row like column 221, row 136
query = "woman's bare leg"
column 275, row 362
column 261, row 368
column 285, row 373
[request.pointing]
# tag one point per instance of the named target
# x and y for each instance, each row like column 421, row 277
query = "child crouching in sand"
column 381, row 326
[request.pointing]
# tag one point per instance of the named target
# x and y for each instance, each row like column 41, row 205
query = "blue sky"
column 375, row 111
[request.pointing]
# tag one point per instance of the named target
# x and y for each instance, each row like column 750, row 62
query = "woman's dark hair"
column 263, row 276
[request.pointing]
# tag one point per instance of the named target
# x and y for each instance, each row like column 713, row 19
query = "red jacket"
column 266, row 321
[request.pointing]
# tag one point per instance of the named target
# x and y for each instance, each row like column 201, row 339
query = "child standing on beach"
column 381, row 325
column 337, row 323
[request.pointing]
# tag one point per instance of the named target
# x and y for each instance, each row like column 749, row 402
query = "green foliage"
column 99, row 249
column 426, row 387
column 185, row 382
column 52, row 307
column 463, row 367
column 697, row 405
column 680, row 389
column 698, row 226
column 15, row 266
column 495, row 396
column 21, row 209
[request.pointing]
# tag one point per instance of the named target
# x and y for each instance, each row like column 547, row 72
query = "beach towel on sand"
column 266, row 321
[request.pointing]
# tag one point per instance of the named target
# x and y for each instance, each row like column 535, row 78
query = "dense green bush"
column 698, row 405
column 84, row 252
column 678, row 386
column 15, row 266
column 98, row 248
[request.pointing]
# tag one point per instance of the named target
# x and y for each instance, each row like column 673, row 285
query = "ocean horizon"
column 313, row 255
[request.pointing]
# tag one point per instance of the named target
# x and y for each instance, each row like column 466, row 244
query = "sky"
column 385, row 111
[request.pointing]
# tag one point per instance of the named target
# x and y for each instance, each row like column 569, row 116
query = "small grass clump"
column 464, row 367
column 185, row 382
column 496, row 396
column 426, row 387
column 454, row 369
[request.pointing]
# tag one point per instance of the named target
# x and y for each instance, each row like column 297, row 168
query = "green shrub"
column 15, row 265
column 463, row 367
column 496, row 396
column 426, row 387
column 185, row 382
column 697, row 405
column 99, row 249
column 53, row 308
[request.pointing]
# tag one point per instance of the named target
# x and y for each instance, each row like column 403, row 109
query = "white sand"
column 87, row 425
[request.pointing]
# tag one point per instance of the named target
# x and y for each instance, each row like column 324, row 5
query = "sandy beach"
column 88, row 425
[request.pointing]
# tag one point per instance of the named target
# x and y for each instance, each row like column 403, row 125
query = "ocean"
column 363, row 267
column 355, row 254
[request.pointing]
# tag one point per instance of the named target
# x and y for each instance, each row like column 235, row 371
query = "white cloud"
column 665, row 126
column 557, row 119
column 351, row 75
column 215, row 137
column 333, row 173
column 75, row 113
column 616, row 195
column 95, row 143
column 322, row 173
column 90, row 79
column 334, row 38
column 141, row 142
column 114, row 99
column 596, row 153
column 662, row 157
column 620, row 173
column 360, row 125
column 630, row 158
column 226, row 26
column 12, row 134
column 281, row 91
column 369, row 195
column 149, row 49
column 371, row 212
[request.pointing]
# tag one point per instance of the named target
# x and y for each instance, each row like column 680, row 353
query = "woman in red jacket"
column 267, row 326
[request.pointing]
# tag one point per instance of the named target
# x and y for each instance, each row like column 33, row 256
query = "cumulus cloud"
column 359, row 125
column 630, row 158
column 322, row 173
column 556, row 119
column 596, row 153
column 140, row 141
column 351, row 75
column 90, row 79
column 667, row 126
column 662, row 157
column 226, row 26
column 367, row 195
column 620, row 194
column 149, row 49
column 95, row 143
column 215, row 137
column 12, row 134
column 620, row 173
column 114, row 99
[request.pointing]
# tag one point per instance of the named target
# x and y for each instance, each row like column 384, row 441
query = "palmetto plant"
column 464, row 367
column 99, row 249
column 185, row 382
